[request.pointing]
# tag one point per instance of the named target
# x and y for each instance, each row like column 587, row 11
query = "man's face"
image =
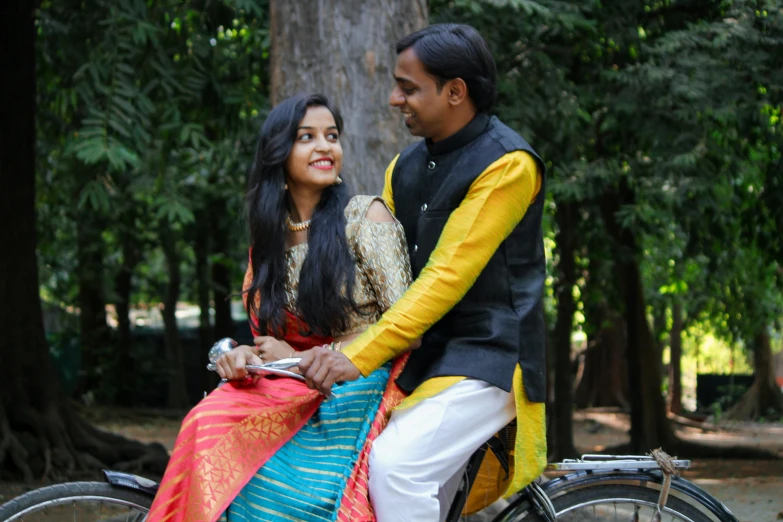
column 416, row 94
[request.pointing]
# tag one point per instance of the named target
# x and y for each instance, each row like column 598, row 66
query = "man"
column 470, row 197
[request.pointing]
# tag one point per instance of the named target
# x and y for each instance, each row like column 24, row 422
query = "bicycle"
column 627, row 488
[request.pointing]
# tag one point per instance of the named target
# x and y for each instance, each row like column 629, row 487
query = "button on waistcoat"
column 499, row 322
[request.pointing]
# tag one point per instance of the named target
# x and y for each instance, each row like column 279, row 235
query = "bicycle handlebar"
column 279, row 367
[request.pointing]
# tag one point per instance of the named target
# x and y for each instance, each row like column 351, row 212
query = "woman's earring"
column 285, row 186
column 338, row 181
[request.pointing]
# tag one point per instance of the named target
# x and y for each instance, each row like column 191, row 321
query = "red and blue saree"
column 274, row 450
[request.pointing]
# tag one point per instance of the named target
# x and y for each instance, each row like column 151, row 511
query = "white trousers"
column 415, row 459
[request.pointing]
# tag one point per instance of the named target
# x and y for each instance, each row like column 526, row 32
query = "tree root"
column 10, row 446
column 57, row 444
column 47, row 461
column 761, row 400
column 684, row 421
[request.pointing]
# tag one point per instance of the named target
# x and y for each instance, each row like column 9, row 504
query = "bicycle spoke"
column 618, row 510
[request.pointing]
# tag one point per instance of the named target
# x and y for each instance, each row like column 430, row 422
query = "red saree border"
column 223, row 443
column 355, row 505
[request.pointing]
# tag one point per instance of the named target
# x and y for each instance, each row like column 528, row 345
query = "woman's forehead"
column 318, row 116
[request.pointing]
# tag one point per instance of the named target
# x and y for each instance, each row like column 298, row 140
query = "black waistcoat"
column 500, row 320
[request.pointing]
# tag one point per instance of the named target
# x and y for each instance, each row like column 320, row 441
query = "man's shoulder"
column 509, row 139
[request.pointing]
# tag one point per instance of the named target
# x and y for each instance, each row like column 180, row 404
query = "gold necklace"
column 296, row 227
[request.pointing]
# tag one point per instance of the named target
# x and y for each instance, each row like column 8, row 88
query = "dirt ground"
column 752, row 489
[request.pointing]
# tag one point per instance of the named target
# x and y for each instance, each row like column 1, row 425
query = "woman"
column 323, row 267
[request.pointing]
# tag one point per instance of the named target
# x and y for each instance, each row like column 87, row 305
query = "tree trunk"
column 550, row 388
column 201, row 247
column 675, row 358
column 645, row 368
column 123, row 287
column 93, row 330
column 203, row 281
column 603, row 376
column 659, row 327
column 177, row 393
column 650, row 428
column 346, row 50
column 21, row 319
column 40, row 435
column 222, row 285
column 604, row 379
column 564, row 293
column 763, row 398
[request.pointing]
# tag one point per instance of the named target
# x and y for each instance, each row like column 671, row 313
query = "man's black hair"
column 450, row 51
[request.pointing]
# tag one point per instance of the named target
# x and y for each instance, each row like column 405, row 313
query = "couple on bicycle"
column 418, row 315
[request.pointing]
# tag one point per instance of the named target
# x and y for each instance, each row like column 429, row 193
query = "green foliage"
column 148, row 114
column 661, row 118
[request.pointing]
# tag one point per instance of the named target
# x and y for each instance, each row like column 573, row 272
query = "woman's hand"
column 271, row 349
column 231, row 365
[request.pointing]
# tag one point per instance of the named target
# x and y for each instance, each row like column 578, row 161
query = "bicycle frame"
column 584, row 473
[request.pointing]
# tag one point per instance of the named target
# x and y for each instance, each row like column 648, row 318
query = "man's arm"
column 494, row 205
column 387, row 194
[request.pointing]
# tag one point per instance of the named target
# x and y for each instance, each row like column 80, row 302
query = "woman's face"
column 316, row 158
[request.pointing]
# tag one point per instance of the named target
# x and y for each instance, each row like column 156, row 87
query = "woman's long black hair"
column 326, row 281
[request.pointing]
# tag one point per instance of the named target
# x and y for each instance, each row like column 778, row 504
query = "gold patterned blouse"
column 383, row 270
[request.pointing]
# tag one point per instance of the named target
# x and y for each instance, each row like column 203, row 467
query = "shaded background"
column 128, row 128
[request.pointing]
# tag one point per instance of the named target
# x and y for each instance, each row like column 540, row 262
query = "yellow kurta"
column 494, row 205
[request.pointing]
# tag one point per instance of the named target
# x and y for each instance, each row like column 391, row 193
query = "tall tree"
column 40, row 432
column 565, row 216
column 21, row 320
column 675, row 359
column 604, row 375
column 764, row 397
column 345, row 49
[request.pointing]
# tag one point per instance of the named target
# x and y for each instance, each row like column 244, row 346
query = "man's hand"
column 231, row 365
column 322, row 368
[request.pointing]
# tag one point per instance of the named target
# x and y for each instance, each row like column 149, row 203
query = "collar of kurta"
column 462, row 137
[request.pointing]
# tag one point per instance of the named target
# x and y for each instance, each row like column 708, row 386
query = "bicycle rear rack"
column 604, row 462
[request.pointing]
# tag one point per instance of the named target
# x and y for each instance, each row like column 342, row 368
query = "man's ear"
column 457, row 91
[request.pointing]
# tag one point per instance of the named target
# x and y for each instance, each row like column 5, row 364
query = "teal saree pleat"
column 305, row 479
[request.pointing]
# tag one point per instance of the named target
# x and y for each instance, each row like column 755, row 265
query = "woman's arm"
column 382, row 256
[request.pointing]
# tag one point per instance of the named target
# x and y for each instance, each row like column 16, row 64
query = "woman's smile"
column 323, row 164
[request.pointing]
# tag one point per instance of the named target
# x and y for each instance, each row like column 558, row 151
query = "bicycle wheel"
column 623, row 502
column 78, row 502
